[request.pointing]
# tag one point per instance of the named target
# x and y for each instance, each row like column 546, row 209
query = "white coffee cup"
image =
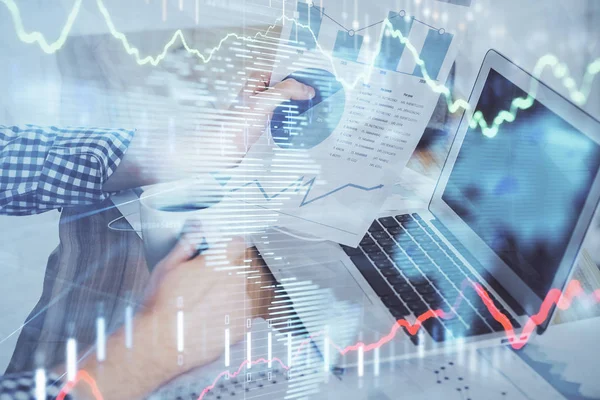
column 166, row 208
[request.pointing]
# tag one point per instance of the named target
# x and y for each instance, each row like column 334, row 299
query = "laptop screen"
column 522, row 190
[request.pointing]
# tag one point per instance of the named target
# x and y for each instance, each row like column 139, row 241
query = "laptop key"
column 381, row 264
column 388, row 222
column 377, row 255
column 419, row 257
column 403, row 287
column 409, row 225
column 371, row 275
column 450, row 270
column 417, row 306
column 391, row 301
column 455, row 276
column 410, row 297
column 394, row 280
column 391, row 249
column 403, row 240
column 430, row 231
column 367, row 241
column 386, row 241
column 389, row 272
column 413, row 251
column 404, row 217
column 420, row 236
column 416, row 278
column 426, row 266
column 351, row 251
column 450, row 294
column 405, row 265
column 375, row 227
column 395, row 231
column 432, row 249
column 434, row 300
column 434, row 276
column 399, row 312
column 370, row 249
column 425, row 289
column 399, row 256
column 379, row 235
column 431, row 272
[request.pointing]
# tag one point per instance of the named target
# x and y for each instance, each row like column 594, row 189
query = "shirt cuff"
column 78, row 164
column 23, row 386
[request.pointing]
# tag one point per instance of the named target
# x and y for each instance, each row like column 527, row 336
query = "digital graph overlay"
column 349, row 41
column 299, row 184
column 82, row 376
column 555, row 297
column 322, row 113
column 579, row 95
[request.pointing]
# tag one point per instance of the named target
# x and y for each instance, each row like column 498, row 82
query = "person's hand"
column 220, row 141
column 207, row 297
column 256, row 102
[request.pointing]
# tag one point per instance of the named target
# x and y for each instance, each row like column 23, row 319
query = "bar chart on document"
column 325, row 165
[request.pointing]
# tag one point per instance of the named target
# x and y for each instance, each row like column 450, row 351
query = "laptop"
column 508, row 216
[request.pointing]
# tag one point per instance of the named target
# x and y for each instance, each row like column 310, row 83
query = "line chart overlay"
column 296, row 186
column 578, row 95
column 555, row 297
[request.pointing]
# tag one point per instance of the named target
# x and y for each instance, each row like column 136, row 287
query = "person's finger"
column 255, row 83
column 264, row 80
column 194, row 233
column 290, row 89
column 236, row 249
column 182, row 252
column 264, row 103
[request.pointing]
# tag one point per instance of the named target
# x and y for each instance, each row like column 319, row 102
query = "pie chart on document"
column 304, row 124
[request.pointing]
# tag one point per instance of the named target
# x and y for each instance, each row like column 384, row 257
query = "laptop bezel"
column 582, row 121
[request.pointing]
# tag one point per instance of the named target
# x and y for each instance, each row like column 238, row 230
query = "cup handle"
column 112, row 228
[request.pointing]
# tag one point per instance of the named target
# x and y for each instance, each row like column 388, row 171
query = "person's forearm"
column 126, row 373
column 48, row 168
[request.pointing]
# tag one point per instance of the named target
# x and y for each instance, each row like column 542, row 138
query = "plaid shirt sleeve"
column 45, row 168
column 23, row 387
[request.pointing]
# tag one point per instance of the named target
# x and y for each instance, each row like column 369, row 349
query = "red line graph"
column 562, row 300
column 239, row 371
column 81, row 376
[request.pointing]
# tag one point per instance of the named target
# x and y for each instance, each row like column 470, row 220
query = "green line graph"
column 578, row 94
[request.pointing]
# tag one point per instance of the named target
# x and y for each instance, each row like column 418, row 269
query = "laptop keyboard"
column 412, row 270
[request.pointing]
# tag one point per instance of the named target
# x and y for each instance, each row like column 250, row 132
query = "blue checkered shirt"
column 46, row 168
column 23, row 386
